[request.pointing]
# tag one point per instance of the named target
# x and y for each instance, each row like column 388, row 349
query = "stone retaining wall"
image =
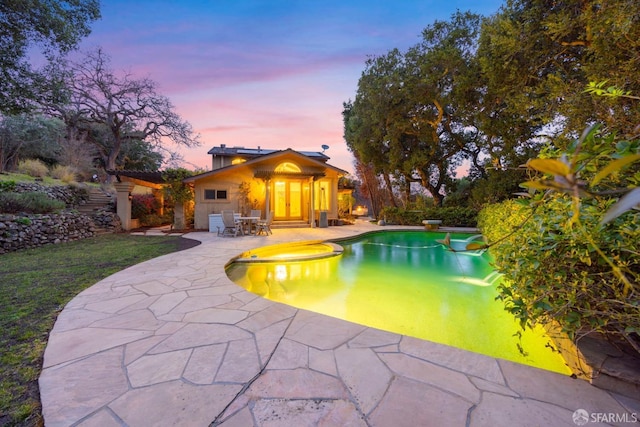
column 19, row 232
column 71, row 195
column 107, row 220
column 25, row 231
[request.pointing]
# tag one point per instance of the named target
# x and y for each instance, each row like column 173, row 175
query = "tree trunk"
column 392, row 198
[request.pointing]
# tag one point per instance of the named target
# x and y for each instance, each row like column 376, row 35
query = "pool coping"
column 251, row 256
column 172, row 341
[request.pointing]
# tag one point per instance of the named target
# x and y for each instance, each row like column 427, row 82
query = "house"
column 300, row 187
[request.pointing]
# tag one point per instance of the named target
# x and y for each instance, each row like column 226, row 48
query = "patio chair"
column 256, row 213
column 232, row 227
column 264, row 226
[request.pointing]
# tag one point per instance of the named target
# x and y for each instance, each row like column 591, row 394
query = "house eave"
column 270, row 174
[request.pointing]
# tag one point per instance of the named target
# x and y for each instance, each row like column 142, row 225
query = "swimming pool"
column 404, row 282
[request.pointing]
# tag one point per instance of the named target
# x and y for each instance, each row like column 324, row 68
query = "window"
column 287, row 167
column 211, row 194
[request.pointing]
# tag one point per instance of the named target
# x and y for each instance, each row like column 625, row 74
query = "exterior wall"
column 330, row 182
column 218, row 162
column 227, row 182
column 230, row 182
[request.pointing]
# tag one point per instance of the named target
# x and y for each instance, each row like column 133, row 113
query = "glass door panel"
column 280, row 199
column 295, row 200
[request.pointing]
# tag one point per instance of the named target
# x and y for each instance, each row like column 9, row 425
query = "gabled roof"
column 316, row 169
column 223, row 150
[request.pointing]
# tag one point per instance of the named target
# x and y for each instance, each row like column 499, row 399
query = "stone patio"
column 173, row 342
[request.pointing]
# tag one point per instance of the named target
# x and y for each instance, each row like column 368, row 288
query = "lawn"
column 35, row 285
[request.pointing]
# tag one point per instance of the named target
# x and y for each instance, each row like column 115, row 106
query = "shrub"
column 553, row 270
column 497, row 186
column 451, row 216
column 32, row 202
column 143, row 205
column 154, row 220
column 6, row 186
column 24, row 221
column 33, row 167
column 500, row 219
column 64, row 173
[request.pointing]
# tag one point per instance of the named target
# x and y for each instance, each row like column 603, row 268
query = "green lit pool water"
column 408, row 283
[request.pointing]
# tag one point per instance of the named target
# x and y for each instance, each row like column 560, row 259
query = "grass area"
column 20, row 177
column 35, row 285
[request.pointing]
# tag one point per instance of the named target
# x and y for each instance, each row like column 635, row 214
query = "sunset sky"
column 262, row 73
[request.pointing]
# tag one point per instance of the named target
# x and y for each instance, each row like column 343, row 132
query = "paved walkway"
column 173, row 342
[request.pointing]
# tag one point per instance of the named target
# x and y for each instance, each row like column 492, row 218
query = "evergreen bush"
column 31, row 202
column 7, row 186
column 552, row 272
column 451, row 216
column 569, row 253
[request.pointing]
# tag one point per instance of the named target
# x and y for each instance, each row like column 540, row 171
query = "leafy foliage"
column 594, row 166
column 553, row 273
column 492, row 90
column 143, row 205
column 500, row 219
column 538, row 55
column 497, row 186
column 31, row 202
column 413, row 116
column 572, row 255
column 28, row 137
column 53, row 26
column 7, row 186
column 451, row 216
column 63, row 173
column 176, row 191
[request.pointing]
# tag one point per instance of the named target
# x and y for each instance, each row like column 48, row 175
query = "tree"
column 112, row 110
column 538, row 55
column 414, row 116
column 370, row 187
column 23, row 136
column 54, row 26
column 138, row 155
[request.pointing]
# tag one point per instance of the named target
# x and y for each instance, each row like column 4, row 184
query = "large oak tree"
column 110, row 110
column 492, row 91
column 538, row 56
column 52, row 27
column 414, row 115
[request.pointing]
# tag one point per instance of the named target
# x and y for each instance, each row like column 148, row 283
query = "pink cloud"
column 273, row 74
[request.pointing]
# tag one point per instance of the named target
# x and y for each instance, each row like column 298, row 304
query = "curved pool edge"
column 358, row 373
column 272, row 282
column 292, row 252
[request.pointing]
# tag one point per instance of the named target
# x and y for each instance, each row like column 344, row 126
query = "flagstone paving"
column 173, row 342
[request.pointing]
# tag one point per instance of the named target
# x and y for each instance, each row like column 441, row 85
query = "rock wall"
column 19, row 232
column 25, row 231
column 71, row 195
column 107, row 220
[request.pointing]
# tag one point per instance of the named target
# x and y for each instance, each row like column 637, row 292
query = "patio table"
column 249, row 220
